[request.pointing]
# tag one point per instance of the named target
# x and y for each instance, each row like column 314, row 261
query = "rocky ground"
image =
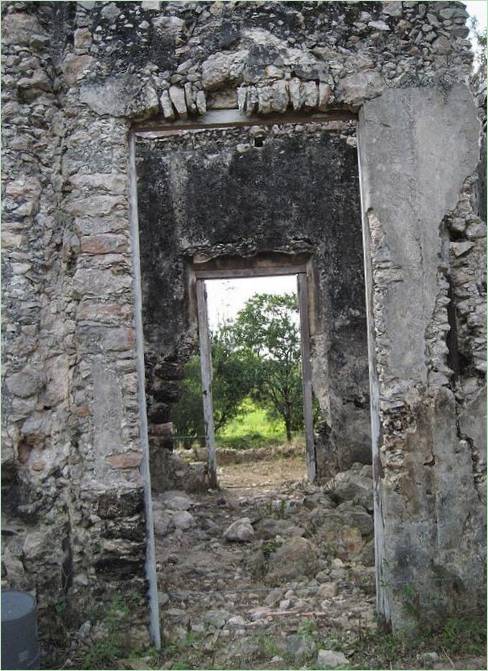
column 270, row 572
column 251, row 576
column 275, row 574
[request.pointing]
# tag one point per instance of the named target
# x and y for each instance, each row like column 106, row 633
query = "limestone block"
column 216, row 71
column 82, row 38
column 177, row 95
column 24, row 384
column 125, row 460
column 280, row 97
column 355, row 89
column 31, row 87
column 265, row 99
column 392, row 8
column 189, row 97
column 75, row 67
column 201, row 102
column 19, row 29
column 176, row 500
column 251, row 100
column 294, row 87
column 310, row 95
column 167, row 106
column 379, row 25
column 121, row 96
column 171, row 25
column 110, row 11
column 325, row 94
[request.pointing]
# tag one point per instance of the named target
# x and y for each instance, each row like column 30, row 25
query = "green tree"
column 232, row 382
column 268, row 337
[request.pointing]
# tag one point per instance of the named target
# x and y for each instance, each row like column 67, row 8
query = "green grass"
column 252, row 428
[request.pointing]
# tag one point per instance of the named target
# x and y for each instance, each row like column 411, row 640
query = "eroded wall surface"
column 421, row 285
column 76, row 76
column 217, row 194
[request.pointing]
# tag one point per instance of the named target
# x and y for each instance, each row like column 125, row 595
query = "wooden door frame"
column 302, row 272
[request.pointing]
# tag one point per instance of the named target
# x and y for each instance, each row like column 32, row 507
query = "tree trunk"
column 288, row 429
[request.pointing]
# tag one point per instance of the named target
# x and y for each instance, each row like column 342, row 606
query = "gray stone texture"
column 425, row 484
column 75, row 76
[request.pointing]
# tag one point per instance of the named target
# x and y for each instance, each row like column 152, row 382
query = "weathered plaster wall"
column 217, row 194
column 429, row 515
column 76, row 76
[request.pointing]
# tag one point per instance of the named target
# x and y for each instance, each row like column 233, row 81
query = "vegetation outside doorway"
column 199, row 277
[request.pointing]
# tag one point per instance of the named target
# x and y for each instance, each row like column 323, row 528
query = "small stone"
column 241, row 98
column 330, row 659
column 216, row 618
column 442, row 45
column 110, row 11
column 285, row 604
column 240, row 531
column 82, row 38
column 129, row 459
column 379, row 25
column 183, row 520
column 258, row 613
column 296, row 558
column 176, row 500
column 460, row 248
column 84, row 630
column 392, row 8
column 457, row 225
column 273, row 597
column 236, row 621
column 300, row 647
column 25, row 383
column 430, row 657
column 163, row 599
column 327, row 590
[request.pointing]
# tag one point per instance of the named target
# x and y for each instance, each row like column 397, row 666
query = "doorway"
column 213, row 206
column 277, row 387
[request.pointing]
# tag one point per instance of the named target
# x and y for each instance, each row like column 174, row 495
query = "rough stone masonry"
column 77, row 79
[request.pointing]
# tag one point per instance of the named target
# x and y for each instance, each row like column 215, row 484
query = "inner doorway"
column 261, row 335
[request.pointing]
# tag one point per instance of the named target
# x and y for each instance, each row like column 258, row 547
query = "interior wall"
column 220, row 193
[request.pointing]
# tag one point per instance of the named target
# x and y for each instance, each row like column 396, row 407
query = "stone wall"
column 223, row 194
column 76, row 77
column 423, row 243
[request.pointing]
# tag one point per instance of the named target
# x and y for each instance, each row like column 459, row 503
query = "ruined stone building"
column 346, row 137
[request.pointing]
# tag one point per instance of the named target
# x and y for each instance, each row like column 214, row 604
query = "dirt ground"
column 264, row 475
